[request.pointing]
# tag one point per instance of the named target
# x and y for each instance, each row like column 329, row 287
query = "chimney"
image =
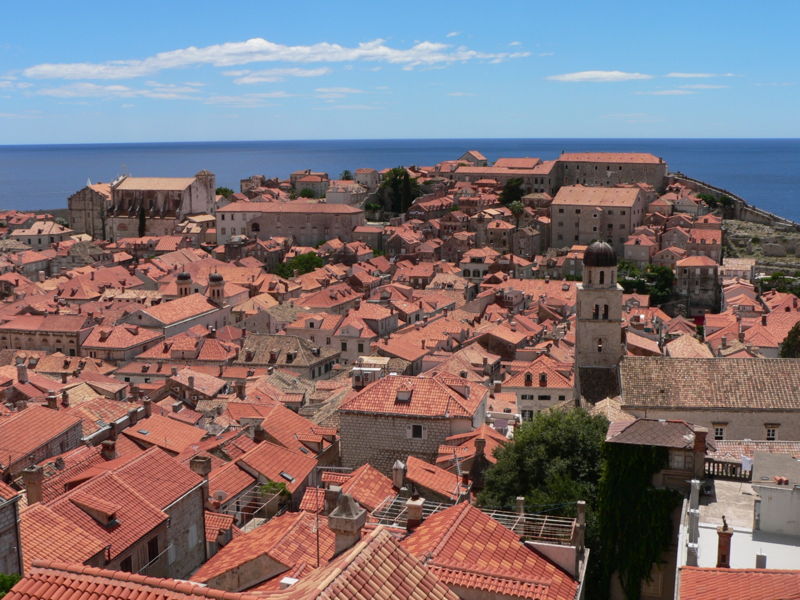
column 479, row 465
column 201, row 465
column 64, row 399
column 332, row 498
column 22, row 371
column 108, row 449
column 724, row 535
column 346, row 522
column 176, row 406
column 259, row 435
column 133, row 416
column 174, row 371
column 148, row 407
column 191, row 381
column 764, row 320
column 240, row 389
column 414, row 511
column 398, row 474
column 498, row 386
column 52, row 400
column 724, row 341
column 32, row 477
column 741, row 336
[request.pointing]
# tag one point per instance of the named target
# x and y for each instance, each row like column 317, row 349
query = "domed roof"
column 184, row 276
column 600, row 254
column 215, row 278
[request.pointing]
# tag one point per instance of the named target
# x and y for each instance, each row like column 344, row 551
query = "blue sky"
column 76, row 72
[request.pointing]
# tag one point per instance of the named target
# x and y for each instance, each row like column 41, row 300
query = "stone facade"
column 309, row 223
column 10, row 551
column 88, row 209
column 611, row 169
column 380, row 440
column 598, row 330
column 186, row 533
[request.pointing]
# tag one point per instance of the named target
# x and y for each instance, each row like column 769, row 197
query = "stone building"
column 400, row 416
column 600, row 342
column 88, row 209
column 697, row 284
column 735, row 398
column 10, row 545
column 51, row 333
column 42, row 234
column 611, row 168
column 309, row 223
column 165, row 202
column 288, row 352
column 582, row 214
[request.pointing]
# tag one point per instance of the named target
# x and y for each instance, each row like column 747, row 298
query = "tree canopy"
column 398, row 190
column 7, row 582
column 517, row 209
column 790, row 348
column 346, row 175
column 305, row 263
column 225, row 192
column 553, row 459
column 656, row 280
column 512, row 191
column 307, row 193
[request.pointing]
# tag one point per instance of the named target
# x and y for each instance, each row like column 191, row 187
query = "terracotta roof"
column 610, row 157
column 290, row 207
column 166, row 433
column 368, row 486
column 462, row 445
column 279, row 464
column 738, row 584
column 50, row 323
column 579, row 195
column 724, row 383
column 7, row 492
column 49, row 580
column 733, row 450
column 216, row 523
column 430, row 477
column 24, row 432
column 108, row 496
column 696, row 261
column 207, row 385
column 155, row 183
column 157, row 476
column 465, row 547
column 652, row 432
column 288, row 539
column 313, row 500
column 230, row 479
column 438, row 396
column 180, row 309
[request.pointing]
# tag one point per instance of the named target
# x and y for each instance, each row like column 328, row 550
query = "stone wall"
column 9, row 537
column 186, row 533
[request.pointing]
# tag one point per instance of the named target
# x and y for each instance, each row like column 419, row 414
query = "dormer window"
column 404, row 395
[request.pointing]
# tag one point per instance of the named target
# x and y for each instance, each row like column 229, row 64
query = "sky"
column 173, row 70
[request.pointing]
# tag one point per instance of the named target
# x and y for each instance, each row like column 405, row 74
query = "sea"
column 765, row 172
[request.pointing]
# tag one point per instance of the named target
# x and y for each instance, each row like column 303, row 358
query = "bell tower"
column 600, row 341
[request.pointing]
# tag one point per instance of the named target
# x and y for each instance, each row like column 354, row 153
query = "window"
column 719, row 432
column 599, row 345
column 152, row 549
column 361, row 347
column 602, row 277
column 527, row 415
column 605, row 312
column 679, row 460
column 417, row 432
column 126, row 565
column 772, row 432
column 255, row 227
column 560, row 210
column 543, row 397
column 344, row 346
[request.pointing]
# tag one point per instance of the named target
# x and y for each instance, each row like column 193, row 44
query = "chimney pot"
column 201, row 465
column 148, row 407
column 32, row 477
column 398, row 474
column 414, row 512
column 331, row 498
column 724, row 535
column 346, row 522
column 52, row 400
column 108, row 449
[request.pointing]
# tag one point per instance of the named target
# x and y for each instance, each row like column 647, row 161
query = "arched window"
column 596, row 312
column 255, row 227
column 528, row 380
column 476, row 273
column 605, row 312
column 602, row 277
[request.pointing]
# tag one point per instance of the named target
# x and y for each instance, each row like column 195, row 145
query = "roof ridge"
column 449, row 533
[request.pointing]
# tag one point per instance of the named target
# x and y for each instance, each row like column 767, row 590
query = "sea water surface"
column 766, row 172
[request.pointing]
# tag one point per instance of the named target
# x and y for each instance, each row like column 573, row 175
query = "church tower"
column 600, row 341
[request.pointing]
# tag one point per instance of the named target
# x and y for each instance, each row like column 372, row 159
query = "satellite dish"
column 220, row 495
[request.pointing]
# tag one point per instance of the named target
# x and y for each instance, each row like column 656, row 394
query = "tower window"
column 602, row 277
column 596, row 312
column 599, row 345
column 605, row 312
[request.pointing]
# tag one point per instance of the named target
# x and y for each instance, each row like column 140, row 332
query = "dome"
column 215, row 278
column 184, row 276
column 600, row 254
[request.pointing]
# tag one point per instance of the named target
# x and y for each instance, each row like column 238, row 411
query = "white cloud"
column 246, row 77
column 348, row 107
column 248, row 100
column 453, row 34
column 515, row 43
column 460, row 94
column 255, row 50
column 599, row 76
column 666, row 93
column 698, row 75
column 331, row 93
column 702, row 86
column 154, row 89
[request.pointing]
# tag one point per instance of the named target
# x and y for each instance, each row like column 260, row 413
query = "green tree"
column 225, row 192
column 7, row 582
column 142, row 220
column 346, row 175
column 553, row 459
column 790, row 348
column 307, row 193
column 660, row 282
column 398, row 190
column 517, row 209
column 305, row 263
column 512, row 191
